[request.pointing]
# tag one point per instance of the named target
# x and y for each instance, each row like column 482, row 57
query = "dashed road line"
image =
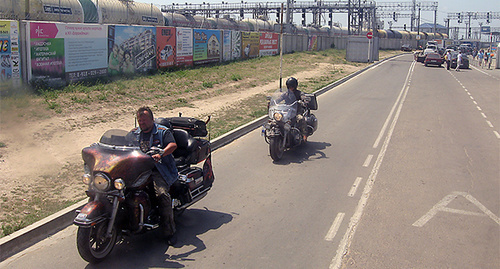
column 346, row 240
column 368, row 160
column 354, row 187
column 475, row 103
column 335, row 227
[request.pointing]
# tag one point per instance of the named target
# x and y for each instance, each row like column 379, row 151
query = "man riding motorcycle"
column 292, row 84
column 149, row 134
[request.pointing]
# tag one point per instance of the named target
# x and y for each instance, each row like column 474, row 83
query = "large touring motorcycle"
column 120, row 190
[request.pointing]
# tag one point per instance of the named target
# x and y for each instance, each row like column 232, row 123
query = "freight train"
column 135, row 13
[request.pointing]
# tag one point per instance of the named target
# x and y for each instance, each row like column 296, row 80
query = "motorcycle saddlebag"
column 193, row 126
column 202, row 150
column 313, row 103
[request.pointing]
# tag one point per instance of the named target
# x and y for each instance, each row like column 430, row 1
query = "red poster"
column 165, row 42
column 268, row 44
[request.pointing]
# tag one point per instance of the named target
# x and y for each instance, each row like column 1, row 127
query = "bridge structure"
column 361, row 13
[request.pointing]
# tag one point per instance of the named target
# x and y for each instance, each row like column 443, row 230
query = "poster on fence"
column 131, row 49
column 268, row 44
column 10, row 65
column 226, row 50
column 165, row 47
column 236, row 44
column 250, row 42
column 66, row 52
column 184, row 39
column 312, row 43
column 207, row 46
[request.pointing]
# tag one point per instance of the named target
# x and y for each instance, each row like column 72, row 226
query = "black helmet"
column 292, row 83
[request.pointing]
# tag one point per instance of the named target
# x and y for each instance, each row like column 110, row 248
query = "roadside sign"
column 417, row 37
column 485, row 29
column 369, row 35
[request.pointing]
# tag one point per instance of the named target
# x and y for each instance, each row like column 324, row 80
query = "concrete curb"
column 30, row 235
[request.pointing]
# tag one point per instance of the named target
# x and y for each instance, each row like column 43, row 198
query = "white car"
column 430, row 49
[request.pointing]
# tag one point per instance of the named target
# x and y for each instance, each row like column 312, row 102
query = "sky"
column 444, row 7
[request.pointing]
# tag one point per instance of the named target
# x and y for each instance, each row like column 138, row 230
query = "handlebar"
column 155, row 150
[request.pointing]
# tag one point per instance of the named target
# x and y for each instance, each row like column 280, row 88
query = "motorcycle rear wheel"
column 92, row 243
column 276, row 148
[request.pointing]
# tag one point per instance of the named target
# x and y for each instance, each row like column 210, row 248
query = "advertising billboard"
column 236, row 44
column 184, row 46
column 268, row 44
column 66, row 52
column 207, row 46
column 10, row 65
column 250, row 42
column 165, row 46
column 131, row 49
column 312, row 43
column 227, row 53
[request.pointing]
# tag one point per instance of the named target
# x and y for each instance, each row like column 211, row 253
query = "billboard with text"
column 10, row 62
column 66, row 52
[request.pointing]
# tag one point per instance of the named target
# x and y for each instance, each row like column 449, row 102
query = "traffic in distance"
column 434, row 55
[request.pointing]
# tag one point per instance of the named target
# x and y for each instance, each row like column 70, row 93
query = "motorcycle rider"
column 149, row 134
column 291, row 84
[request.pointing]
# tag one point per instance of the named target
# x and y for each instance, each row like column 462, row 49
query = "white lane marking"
column 335, row 227
column 353, row 223
column 477, row 105
column 484, row 72
column 382, row 131
column 368, row 160
column 441, row 206
column 354, row 187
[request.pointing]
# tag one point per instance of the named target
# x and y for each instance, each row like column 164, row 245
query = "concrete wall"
column 357, row 49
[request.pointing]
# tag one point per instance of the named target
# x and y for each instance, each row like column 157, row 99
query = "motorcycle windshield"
column 118, row 155
column 283, row 102
column 119, row 138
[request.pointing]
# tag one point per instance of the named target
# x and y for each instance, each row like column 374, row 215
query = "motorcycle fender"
column 91, row 214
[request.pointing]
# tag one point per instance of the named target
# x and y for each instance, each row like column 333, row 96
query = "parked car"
column 433, row 59
column 406, row 47
column 465, row 60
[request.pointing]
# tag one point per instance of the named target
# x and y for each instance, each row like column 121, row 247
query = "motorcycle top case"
column 313, row 103
column 193, row 126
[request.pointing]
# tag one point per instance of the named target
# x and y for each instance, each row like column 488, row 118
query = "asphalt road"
column 403, row 172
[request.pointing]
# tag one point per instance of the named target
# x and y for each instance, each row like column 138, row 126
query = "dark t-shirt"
column 145, row 140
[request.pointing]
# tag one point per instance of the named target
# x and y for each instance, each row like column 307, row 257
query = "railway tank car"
column 42, row 10
column 137, row 13
column 121, row 12
column 82, row 11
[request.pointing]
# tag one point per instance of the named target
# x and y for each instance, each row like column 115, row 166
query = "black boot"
column 167, row 223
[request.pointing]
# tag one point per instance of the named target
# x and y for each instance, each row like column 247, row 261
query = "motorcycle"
column 120, row 189
column 283, row 130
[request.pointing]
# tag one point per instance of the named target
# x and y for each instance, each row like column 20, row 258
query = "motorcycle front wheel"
column 276, row 148
column 92, row 243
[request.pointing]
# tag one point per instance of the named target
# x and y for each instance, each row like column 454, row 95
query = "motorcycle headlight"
column 119, row 184
column 87, row 178
column 101, row 182
column 278, row 116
